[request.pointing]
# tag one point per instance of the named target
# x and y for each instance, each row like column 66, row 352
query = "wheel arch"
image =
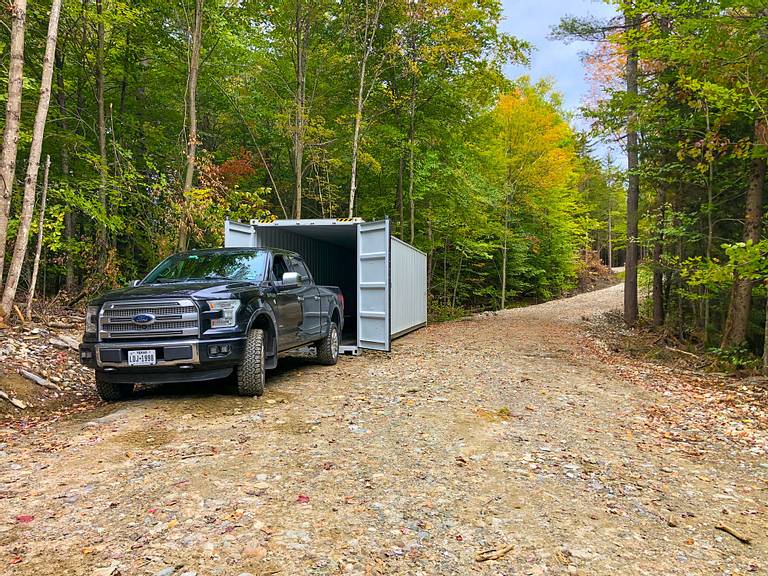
column 264, row 321
column 335, row 316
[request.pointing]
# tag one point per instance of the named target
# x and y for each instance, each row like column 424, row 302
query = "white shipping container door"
column 373, row 253
column 238, row 235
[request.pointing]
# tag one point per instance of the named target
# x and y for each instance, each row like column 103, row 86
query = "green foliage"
column 742, row 259
column 495, row 162
column 702, row 99
column 736, row 358
column 439, row 312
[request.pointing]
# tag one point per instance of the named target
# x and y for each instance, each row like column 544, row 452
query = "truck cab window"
column 279, row 267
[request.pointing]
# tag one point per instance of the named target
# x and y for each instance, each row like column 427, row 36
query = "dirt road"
column 502, row 430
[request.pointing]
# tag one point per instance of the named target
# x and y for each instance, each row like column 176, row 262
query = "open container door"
column 373, row 274
column 238, row 235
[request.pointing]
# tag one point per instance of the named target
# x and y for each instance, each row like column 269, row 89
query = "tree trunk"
column 101, row 128
column 458, row 278
column 710, row 232
column 12, row 121
column 400, row 206
column 356, row 136
column 633, row 188
column 371, row 25
column 610, row 232
column 411, row 153
column 33, row 165
column 39, row 248
column 194, row 68
column 765, row 335
column 504, row 256
column 737, row 323
column 69, row 228
column 301, row 27
column 658, row 274
column 430, row 248
column 445, row 272
column 81, row 75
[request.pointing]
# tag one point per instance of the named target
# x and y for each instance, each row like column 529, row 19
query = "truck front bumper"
column 176, row 360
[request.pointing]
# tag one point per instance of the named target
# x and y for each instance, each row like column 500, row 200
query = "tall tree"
column 12, row 121
column 195, row 44
column 633, row 164
column 369, row 24
column 69, row 214
column 39, row 245
column 33, row 165
column 302, row 32
column 736, row 324
column 101, row 126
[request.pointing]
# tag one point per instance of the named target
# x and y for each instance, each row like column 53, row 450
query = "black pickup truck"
column 208, row 314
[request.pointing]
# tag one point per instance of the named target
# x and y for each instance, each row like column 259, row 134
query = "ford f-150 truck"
column 208, row 314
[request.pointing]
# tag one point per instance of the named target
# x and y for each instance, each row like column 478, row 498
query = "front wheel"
column 327, row 349
column 251, row 371
column 111, row 391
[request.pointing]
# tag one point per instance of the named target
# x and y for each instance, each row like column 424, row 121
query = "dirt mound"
column 593, row 274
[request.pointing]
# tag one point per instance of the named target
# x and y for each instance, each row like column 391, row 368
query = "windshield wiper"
column 169, row 280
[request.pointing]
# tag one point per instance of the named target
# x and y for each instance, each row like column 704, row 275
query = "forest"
column 682, row 86
column 167, row 117
column 132, row 129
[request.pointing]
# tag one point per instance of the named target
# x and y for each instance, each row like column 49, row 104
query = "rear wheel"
column 251, row 371
column 111, row 391
column 327, row 349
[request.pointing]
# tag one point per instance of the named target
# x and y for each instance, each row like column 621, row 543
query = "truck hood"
column 199, row 290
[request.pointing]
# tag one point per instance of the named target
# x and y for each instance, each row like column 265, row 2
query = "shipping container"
column 383, row 279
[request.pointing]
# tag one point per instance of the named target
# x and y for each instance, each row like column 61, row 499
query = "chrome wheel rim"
column 334, row 342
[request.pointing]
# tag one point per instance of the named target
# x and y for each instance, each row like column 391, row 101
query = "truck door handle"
column 300, row 298
column 317, row 297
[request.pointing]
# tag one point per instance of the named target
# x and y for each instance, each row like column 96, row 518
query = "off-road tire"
column 111, row 391
column 251, row 371
column 327, row 349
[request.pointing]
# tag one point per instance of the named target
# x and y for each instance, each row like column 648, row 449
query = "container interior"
column 330, row 251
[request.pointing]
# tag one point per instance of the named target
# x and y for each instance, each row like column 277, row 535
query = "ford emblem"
column 144, row 319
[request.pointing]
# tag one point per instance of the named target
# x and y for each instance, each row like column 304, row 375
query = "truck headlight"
column 228, row 310
column 92, row 319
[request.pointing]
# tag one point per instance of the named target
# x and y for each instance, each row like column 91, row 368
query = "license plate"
column 141, row 358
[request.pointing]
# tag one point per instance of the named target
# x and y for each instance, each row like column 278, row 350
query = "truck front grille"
column 161, row 319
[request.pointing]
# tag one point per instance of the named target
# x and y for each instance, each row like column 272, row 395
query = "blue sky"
column 532, row 20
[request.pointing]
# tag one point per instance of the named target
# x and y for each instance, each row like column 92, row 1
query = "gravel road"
column 511, row 435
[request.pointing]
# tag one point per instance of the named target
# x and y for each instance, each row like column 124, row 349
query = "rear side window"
column 299, row 267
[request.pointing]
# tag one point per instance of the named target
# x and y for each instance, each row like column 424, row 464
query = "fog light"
column 219, row 350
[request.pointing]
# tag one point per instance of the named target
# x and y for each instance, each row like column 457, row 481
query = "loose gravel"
column 500, row 444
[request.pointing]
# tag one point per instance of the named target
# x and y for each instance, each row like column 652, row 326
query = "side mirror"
column 290, row 280
column 134, row 283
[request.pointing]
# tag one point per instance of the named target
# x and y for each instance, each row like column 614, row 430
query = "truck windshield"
column 244, row 266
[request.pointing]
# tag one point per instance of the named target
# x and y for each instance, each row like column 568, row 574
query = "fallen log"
column 681, row 351
column 733, row 532
column 20, row 404
column 39, row 380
